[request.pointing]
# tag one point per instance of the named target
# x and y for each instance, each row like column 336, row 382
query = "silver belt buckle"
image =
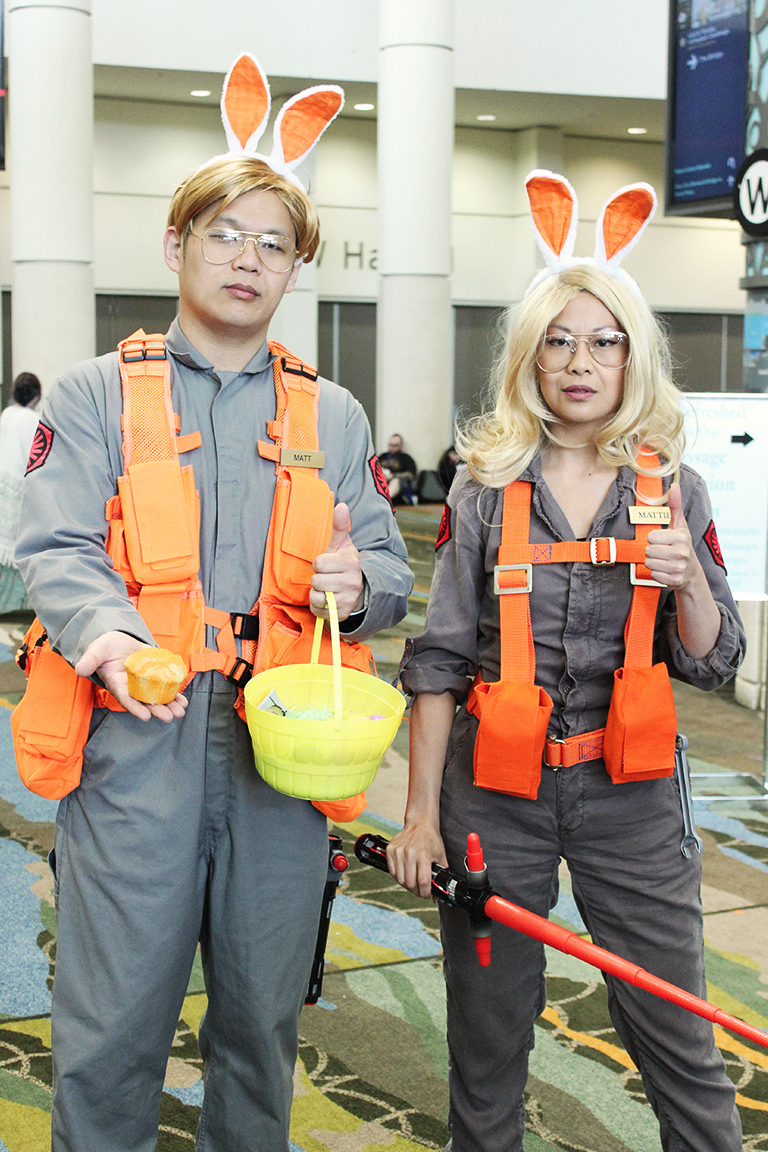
column 528, row 568
column 552, row 740
column 635, row 579
column 611, row 551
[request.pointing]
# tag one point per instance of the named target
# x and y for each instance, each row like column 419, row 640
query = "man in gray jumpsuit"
column 172, row 837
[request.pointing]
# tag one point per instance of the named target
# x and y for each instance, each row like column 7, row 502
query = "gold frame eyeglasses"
column 604, row 347
column 223, row 242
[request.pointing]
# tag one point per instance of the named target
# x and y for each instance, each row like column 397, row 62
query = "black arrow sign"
column 744, row 439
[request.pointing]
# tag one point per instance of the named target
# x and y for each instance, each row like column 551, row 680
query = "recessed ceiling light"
column 637, row 131
column 364, row 107
column 201, row 92
column 487, row 118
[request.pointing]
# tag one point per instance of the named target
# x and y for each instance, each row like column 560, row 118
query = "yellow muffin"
column 155, row 675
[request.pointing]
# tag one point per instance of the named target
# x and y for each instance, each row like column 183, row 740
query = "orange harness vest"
column 514, row 712
column 153, row 542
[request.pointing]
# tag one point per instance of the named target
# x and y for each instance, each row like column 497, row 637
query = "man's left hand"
column 338, row 570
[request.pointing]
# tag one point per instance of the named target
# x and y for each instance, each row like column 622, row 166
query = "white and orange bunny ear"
column 301, row 122
column 621, row 223
column 555, row 213
column 245, row 104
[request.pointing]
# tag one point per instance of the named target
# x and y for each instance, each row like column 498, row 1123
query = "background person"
column 400, row 471
column 447, row 466
column 18, row 423
column 583, row 385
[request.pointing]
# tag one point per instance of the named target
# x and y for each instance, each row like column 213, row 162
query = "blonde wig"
column 499, row 444
column 223, row 179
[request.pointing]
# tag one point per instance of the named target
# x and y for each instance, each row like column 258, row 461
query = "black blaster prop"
column 337, row 866
column 474, row 895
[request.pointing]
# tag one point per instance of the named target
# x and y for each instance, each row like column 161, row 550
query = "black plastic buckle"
column 240, row 673
column 298, row 368
column 245, row 625
column 22, row 655
column 143, row 353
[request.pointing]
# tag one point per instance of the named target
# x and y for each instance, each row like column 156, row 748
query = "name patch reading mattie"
column 296, row 458
column 641, row 515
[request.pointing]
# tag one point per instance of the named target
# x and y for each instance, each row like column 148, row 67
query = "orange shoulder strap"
column 518, row 557
column 150, row 426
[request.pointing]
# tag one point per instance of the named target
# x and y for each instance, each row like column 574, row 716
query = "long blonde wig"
column 499, row 444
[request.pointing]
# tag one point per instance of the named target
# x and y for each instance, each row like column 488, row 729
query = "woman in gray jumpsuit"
column 584, row 384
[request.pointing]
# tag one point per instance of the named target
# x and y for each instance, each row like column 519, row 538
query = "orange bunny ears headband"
column 245, row 104
column 554, row 211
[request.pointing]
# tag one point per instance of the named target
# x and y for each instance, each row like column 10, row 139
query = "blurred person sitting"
column 447, row 465
column 18, row 423
column 400, row 471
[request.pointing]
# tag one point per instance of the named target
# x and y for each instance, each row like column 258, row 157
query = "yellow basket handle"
column 335, row 651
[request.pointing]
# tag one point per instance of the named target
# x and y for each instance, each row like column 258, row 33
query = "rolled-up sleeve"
column 445, row 657
column 722, row 662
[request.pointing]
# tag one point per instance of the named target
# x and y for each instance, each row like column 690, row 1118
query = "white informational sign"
column 727, row 444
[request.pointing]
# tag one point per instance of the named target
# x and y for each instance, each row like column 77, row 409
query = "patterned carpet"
column 373, row 1060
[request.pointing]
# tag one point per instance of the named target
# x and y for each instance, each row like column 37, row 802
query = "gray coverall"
column 172, row 836
column 636, row 892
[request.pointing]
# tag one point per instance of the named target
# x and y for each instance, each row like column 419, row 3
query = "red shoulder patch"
column 41, row 446
column 714, row 546
column 379, row 478
column 444, row 531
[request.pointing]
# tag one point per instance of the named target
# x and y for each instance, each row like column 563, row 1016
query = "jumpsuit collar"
column 185, row 352
column 620, row 494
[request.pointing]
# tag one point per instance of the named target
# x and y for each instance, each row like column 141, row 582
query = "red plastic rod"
column 537, row 927
column 475, row 861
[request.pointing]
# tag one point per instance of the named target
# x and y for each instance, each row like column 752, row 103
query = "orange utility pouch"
column 50, row 724
column 154, row 520
column 511, row 741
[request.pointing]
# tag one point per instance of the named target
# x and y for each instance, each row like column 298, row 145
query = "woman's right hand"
column 412, row 852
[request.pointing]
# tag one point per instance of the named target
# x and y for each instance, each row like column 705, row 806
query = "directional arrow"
column 744, row 439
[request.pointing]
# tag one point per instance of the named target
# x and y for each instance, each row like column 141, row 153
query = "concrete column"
column 414, row 383
column 51, row 145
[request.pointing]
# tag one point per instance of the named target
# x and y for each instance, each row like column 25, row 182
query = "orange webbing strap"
column 518, row 661
column 517, row 556
column 641, row 623
column 565, row 752
column 149, row 425
column 299, row 429
column 235, row 668
column 295, row 423
column 297, row 396
column 599, row 550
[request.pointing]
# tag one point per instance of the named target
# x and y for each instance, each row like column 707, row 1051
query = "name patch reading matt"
column 639, row 515
column 295, row 458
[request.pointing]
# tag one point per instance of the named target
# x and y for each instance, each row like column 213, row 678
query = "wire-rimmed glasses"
column 223, row 245
column 608, row 349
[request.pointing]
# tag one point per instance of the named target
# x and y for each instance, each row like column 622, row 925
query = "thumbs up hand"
column 669, row 552
column 338, row 570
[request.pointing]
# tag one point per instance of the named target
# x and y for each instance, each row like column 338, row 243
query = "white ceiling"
column 601, row 116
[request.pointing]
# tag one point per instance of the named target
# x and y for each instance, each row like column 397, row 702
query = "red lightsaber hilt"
column 482, row 903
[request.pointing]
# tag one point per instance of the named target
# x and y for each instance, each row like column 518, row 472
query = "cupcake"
column 155, row 675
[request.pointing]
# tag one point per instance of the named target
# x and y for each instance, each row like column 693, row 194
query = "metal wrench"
column 690, row 839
